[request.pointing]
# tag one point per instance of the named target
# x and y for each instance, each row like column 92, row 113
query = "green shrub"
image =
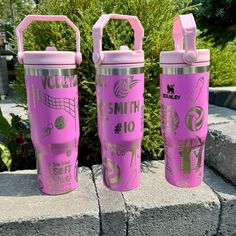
column 156, row 17
column 217, row 18
column 15, row 146
column 223, row 66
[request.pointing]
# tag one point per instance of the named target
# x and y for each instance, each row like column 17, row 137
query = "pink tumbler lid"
column 50, row 56
column 184, row 27
column 124, row 55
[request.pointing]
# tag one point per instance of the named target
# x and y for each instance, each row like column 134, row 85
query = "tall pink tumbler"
column 184, row 105
column 52, row 95
column 120, row 106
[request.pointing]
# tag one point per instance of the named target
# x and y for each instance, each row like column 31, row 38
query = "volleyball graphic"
column 169, row 119
column 194, row 118
column 60, row 122
column 111, row 172
column 123, row 86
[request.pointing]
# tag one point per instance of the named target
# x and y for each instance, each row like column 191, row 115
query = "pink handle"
column 27, row 21
column 184, row 26
column 98, row 32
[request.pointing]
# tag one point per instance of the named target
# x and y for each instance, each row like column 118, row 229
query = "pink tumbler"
column 120, row 106
column 184, row 105
column 52, row 95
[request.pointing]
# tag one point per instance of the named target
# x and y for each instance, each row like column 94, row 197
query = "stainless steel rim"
column 185, row 70
column 49, row 72
column 119, row 71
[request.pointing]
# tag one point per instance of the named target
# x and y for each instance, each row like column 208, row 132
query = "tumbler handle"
column 98, row 32
column 184, row 27
column 30, row 18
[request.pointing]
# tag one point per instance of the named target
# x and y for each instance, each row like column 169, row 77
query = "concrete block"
column 112, row 207
column 223, row 96
column 227, row 194
column 221, row 149
column 158, row 208
column 25, row 211
column 211, row 97
column 220, row 115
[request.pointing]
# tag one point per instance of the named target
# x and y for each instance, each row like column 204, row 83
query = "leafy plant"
column 5, row 156
column 15, row 139
column 156, row 17
column 217, row 19
column 223, row 67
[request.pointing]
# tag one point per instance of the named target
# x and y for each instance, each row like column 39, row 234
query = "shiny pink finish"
column 120, row 109
column 52, row 97
column 53, row 112
column 184, row 112
column 184, row 86
column 120, row 106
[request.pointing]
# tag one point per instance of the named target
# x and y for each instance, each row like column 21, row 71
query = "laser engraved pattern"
column 101, row 106
column 195, row 93
column 194, row 118
column 123, row 86
column 47, row 130
column 134, row 147
column 66, row 104
column 188, row 149
column 60, row 122
column 76, row 171
column 111, row 172
column 169, row 119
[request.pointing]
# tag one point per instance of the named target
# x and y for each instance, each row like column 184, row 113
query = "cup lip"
column 177, row 57
column 49, row 57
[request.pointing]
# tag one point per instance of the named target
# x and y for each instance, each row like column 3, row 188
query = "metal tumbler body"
column 52, row 97
column 120, row 113
column 184, row 107
column 120, row 106
column 184, row 112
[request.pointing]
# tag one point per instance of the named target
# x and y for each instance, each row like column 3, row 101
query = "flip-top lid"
column 184, row 27
column 124, row 55
column 50, row 56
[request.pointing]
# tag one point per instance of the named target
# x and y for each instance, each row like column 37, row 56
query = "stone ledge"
column 112, row 207
column 158, row 208
column 223, row 96
column 155, row 208
column 220, row 115
column 25, row 211
column 221, row 141
column 227, row 196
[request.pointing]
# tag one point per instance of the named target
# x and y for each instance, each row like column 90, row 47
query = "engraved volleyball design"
column 111, row 172
column 123, row 86
column 169, row 119
column 194, row 118
column 60, row 122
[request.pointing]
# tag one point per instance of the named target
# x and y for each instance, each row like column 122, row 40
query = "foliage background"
column 156, row 17
column 84, row 14
column 217, row 19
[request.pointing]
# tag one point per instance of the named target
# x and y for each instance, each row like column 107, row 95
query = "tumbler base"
column 61, row 193
column 183, row 184
column 121, row 189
